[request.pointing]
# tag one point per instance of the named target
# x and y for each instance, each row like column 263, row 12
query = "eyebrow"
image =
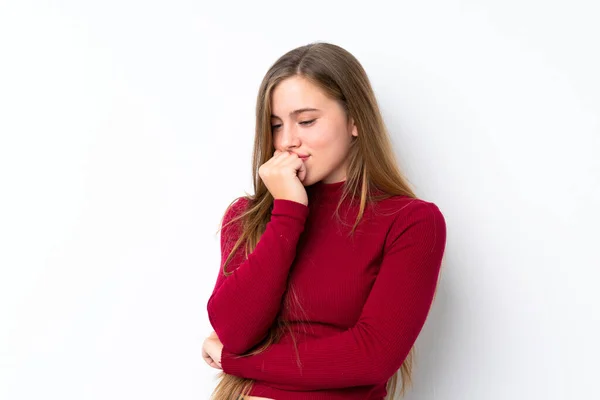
column 300, row 110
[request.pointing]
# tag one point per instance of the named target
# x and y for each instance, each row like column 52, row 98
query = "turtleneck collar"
column 325, row 192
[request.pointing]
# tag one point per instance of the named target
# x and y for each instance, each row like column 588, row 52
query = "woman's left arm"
column 394, row 314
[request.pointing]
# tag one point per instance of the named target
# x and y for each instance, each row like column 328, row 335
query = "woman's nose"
column 289, row 137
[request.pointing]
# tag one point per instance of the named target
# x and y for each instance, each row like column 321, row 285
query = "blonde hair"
column 372, row 166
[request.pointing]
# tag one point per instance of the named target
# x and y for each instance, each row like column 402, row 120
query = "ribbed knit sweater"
column 363, row 299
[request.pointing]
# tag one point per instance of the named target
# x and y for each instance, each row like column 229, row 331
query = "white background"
column 127, row 128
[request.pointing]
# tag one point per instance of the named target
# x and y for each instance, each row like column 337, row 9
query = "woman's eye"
column 305, row 123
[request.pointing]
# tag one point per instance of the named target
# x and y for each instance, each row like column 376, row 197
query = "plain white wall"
column 127, row 127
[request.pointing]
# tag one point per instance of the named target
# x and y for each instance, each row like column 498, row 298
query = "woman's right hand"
column 283, row 175
column 211, row 351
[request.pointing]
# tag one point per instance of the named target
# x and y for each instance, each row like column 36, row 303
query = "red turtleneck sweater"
column 363, row 299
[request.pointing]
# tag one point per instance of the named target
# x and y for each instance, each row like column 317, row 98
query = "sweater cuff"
column 230, row 363
column 290, row 208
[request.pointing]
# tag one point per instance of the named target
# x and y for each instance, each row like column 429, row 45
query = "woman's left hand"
column 211, row 351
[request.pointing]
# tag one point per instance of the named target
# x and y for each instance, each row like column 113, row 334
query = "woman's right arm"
column 244, row 305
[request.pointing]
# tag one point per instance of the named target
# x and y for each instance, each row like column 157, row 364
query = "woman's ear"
column 354, row 128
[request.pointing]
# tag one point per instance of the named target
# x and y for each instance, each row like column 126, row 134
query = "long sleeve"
column 245, row 304
column 395, row 311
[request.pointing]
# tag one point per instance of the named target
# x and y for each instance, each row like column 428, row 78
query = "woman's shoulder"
column 402, row 206
column 232, row 211
column 416, row 220
column 236, row 207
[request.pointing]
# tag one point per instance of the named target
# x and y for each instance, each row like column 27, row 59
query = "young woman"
column 329, row 270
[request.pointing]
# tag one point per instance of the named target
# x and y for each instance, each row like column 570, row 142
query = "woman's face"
column 322, row 133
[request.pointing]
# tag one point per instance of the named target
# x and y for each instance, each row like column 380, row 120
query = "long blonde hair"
column 372, row 165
